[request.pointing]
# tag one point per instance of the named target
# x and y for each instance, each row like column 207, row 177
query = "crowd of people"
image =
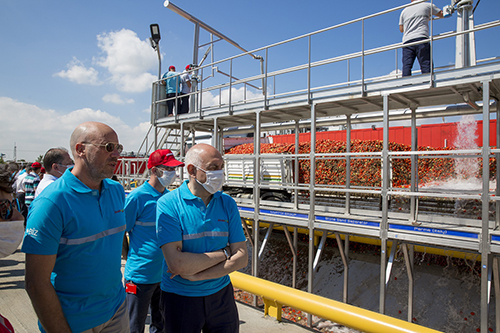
column 181, row 244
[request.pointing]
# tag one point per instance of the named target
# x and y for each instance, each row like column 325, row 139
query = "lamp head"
column 155, row 32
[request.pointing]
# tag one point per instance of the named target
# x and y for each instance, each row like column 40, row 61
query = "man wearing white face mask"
column 55, row 161
column 144, row 260
column 11, row 225
column 199, row 231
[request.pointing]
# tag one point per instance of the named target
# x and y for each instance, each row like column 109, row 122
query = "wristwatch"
column 226, row 253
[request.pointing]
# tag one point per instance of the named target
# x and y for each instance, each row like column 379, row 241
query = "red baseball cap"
column 36, row 165
column 163, row 157
column 188, row 67
column 42, row 170
column 171, row 67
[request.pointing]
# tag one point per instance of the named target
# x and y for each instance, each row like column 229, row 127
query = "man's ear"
column 80, row 149
column 191, row 169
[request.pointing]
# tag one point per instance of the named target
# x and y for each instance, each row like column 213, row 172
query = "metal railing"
column 264, row 95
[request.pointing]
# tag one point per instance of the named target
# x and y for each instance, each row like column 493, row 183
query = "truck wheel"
column 274, row 196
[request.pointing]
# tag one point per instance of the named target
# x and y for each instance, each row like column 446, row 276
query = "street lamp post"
column 155, row 44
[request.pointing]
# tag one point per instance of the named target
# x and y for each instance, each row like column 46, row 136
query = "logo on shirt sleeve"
column 32, row 232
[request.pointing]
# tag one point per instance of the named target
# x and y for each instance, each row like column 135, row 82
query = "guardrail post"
column 309, row 71
column 272, row 308
column 363, row 57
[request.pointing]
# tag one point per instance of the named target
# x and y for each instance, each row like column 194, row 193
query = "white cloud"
column 78, row 73
column 45, row 128
column 128, row 60
column 396, row 73
column 237, row 95
column 116, row 99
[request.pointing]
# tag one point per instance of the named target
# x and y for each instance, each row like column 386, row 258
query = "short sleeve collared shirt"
column 182, row 216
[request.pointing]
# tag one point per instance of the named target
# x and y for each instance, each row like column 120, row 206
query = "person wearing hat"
column 185, row 90
column 172, row 82
column 143, row 269
column 30, row 183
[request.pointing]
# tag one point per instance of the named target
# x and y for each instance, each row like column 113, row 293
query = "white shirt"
column 46, row 181
column 185, row 89
column 20, row 181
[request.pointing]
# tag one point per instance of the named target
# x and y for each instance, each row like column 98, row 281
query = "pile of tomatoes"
column 365, row 169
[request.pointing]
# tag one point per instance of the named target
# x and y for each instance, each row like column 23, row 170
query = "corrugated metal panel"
column 432, row 135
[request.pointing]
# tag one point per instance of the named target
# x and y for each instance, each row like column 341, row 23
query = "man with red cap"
column 172, row 82
column 30, row 183
column 143, row 269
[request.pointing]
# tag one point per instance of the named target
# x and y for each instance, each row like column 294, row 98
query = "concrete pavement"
column 15, row 304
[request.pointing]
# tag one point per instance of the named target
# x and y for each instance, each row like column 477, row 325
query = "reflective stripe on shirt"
column 206, row 234
column 78, row 241
column 145, row 224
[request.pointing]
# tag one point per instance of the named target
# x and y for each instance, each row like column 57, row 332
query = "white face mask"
column 11, row 235
column 214, row 181
column 167, row 178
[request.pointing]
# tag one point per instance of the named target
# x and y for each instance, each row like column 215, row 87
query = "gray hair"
column 193, row 156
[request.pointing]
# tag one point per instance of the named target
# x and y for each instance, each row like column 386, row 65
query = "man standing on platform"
column 172, row 82
column 145, row 259
column 73, row 241
column 185, row 90
column 414, row 24
column 199, row 231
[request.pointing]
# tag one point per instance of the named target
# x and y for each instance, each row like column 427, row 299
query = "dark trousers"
column 422, row 52
column 216, row 313
column 184, row 104
column 147, row 295
column 171, row 103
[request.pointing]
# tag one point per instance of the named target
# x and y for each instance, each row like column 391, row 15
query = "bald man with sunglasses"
column 73, row 241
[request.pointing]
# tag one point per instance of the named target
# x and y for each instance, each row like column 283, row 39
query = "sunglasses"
column 6, row 209
column 110, row 146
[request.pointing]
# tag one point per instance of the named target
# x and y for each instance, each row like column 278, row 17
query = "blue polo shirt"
column 85, row 229
column 181, row 216
column 145, row 258
column 172, row 84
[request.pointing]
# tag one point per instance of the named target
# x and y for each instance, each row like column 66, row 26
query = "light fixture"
column 155, row 33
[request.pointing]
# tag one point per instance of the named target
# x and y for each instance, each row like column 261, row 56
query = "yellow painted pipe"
column 373, row 241
column 338, row 312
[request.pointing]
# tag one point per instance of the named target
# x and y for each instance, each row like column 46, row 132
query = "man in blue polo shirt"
column 199, row 231
column 144, row 260
column 73, row 241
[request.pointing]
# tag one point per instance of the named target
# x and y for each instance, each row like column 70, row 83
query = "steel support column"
column 312, row 185
column 256, row 195
column 348, row 165
column 385, row 187
column 485, row 235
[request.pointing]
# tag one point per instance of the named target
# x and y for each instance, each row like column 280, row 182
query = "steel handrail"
column 277, row 295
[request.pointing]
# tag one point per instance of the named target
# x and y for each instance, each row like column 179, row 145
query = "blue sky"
column 65, row 62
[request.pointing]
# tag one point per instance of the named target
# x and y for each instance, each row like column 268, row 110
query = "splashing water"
column 466, row 168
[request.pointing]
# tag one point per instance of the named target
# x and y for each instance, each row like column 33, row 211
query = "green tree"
column 39, row 159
